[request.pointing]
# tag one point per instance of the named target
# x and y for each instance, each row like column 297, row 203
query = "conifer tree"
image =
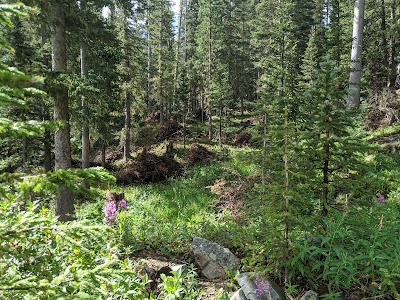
column 62, row 145
column 161, row 61
column 277, row 99
column 327, row 143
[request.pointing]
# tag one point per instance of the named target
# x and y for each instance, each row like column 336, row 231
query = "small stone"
column 248, row 285
column 310, row 295
column 213, row 259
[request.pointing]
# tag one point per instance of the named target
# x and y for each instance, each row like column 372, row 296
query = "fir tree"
column 327, row 144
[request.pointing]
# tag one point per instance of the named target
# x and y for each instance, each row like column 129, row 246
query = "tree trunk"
column 46, row 112
column 149, row 54
column 64, row 203
column 384, row 32
column 178, row 47
column 127, row 145
column 353, row 99
column 286, row 160
column 85, row 110
column 210, row 129
column 220, row 124
column 325, row 182
column 393, row 48
column 264, row 149
column 46, row 141
column 103, row 153
column 24, row 145
column 160, row 88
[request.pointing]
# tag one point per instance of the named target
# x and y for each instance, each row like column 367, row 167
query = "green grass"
column 166, row 216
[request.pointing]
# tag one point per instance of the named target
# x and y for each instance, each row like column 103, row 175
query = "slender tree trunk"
column 264, row 150
column 103, row 153
column 393, row 48
column 220, row 124
column 286, row 160
column 160, row 89
column 85, row 111
column 178, row 47
column 24, row 154
column 325, row 182
column 64, row 203
column 384, row 32
column 85, row 125
column 353, row 99
column 210, row 129
column 149, row 55
column 46, row 112
column 128, row 126
column 338, row 34
column 46, row 140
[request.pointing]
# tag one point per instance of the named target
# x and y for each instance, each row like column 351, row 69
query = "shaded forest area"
column 267, row 126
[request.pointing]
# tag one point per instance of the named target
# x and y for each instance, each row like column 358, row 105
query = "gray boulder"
column 239, row 295
column 248, row 287
column 213, row 259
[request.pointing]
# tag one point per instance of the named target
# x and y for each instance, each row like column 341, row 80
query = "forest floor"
column 209, row 288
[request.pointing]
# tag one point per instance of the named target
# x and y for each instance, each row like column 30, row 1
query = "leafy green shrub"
column 42, row 259
column 181, row 285
column 359, row 248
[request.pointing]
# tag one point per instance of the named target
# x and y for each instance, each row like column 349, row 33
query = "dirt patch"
column 242, row 139
column 148, row 167
column 230, row 196
column 199, row 154
column 210, row 288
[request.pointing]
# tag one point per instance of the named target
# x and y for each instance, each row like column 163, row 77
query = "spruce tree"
column 329, row 149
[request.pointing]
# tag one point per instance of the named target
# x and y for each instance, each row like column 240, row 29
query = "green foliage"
column 40, row 258
column 43, row 259
column 40, row 186
column 331, row 152
column 357, row 248
column 181, row 285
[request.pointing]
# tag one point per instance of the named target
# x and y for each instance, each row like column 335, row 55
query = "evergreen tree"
column 62, row 145
column 160, row 41
column 327, row 143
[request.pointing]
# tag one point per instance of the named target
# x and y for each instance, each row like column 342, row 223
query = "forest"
column 135, row 133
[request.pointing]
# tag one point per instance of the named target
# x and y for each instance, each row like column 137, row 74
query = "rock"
column 310, row 295
column 213, row 259
column 247, row 282
column 239, row 295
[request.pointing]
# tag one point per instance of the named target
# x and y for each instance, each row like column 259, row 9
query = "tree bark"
column 85, row 111
column 46, row 112
column 103, row 153
column 325, row 182
column 127, row 145
column 353, row 99
column 393, row 48
column 46, row 141
column 24, row 145
column 384, row 32
column 178, row 48
column 210, row 129
column 160, row 88
column 64, row 202
column 149, row 55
